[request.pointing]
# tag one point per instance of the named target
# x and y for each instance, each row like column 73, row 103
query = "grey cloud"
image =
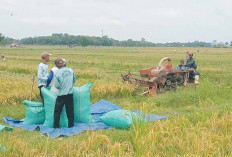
column 154, row 20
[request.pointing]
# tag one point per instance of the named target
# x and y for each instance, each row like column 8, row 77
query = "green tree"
column 84, row 42
column 1, row 37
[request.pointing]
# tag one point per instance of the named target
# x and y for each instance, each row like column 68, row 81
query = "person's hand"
column 45, row 86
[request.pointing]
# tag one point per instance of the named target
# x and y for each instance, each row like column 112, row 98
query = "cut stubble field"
column 199, row 119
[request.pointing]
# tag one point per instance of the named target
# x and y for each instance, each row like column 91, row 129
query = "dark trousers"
column 66, row 100
column 41, row 95
column 192, row 75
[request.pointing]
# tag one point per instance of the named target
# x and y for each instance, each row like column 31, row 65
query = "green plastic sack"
column 49, row 87
column 34, row 115
column 2, row 148
column 49, row 104
column 5, row 128
column 120, row 119
column 81, row 98
column 32, row 103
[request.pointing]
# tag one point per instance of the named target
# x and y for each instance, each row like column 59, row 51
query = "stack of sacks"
column 81, row 98
column 36, row 114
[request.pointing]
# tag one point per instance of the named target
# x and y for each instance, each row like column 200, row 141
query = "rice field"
column 199, row 119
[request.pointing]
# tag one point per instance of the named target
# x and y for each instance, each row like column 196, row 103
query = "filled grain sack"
column 81, row 96
column 49, row 104
column 120, row 119
column 35, row 113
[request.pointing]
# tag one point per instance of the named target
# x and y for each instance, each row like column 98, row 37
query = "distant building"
column 14, row 44
column 72, row 45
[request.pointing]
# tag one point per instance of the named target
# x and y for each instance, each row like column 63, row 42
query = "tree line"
column 66, row 39
column 71, row 40
column 5, row 40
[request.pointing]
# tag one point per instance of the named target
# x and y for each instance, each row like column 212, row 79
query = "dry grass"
column 199, row 118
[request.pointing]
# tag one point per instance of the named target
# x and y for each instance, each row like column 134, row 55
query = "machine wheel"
column 180, row 80
column 174, row 87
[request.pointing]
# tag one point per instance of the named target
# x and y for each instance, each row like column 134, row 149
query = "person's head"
column 182, row 62
column 191, row 55
column 60, row 62
column 2, row 56
column 45, row 57
column 65, row 62
column 187, row 53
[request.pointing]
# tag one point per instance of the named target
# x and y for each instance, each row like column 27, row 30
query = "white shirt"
column 53, row 87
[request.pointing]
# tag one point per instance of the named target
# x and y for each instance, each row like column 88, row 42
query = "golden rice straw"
column 33, row 81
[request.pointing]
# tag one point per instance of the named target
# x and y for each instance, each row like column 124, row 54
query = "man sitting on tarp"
column 64, row 78
column 43, row 73
column 191, row 64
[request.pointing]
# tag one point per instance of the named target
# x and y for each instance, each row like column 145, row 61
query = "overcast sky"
column 154, row 20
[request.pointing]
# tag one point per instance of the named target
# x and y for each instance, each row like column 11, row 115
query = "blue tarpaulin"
column 97, row 110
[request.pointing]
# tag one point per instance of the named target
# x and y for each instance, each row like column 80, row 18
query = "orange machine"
column 160, row 79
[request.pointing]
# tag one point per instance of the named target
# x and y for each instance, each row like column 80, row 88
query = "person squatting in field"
column 191, row 64
column 64, row 78
column 3, row 57
column 42, row 73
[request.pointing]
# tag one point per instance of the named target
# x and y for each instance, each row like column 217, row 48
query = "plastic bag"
column 49, row 104
column 35, row 113
column 81, row 96
column 120, row 119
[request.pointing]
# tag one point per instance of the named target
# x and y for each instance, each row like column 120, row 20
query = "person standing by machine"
column 191, row 64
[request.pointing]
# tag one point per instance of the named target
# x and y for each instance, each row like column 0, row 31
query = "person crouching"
column 64, row 79
column 3, row 57
column 181, row 66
